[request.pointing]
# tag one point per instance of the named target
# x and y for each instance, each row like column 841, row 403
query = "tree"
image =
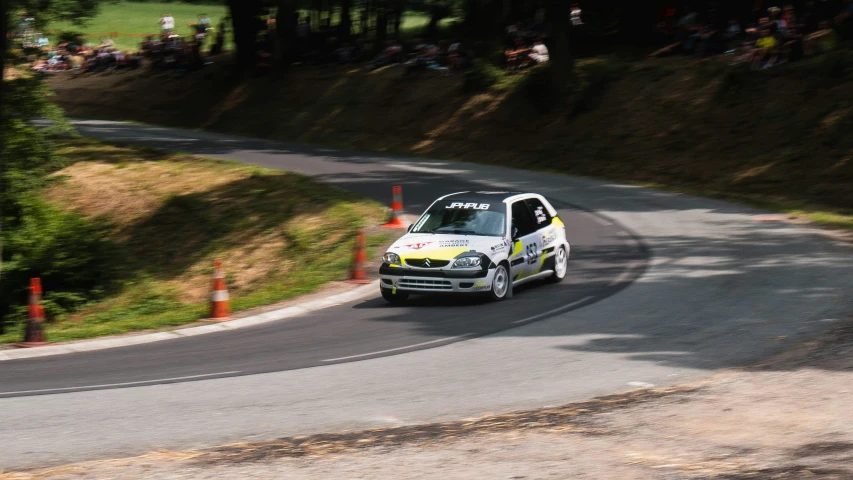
column 43, row 11
column 245, row 18
column 345, row 27
column 560, row 56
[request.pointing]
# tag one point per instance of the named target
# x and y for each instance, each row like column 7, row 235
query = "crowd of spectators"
column 525, row 40
column 781, row 35
column 85, row 58
column 168, row 50
column 448, row 57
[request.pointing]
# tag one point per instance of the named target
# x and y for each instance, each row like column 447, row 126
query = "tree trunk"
column 244, row 17
column 286, row 23
column 381, row 25
column 438, row 12
column 4, row 24
column 398, row 17
column 559, row 13
column 345, row 28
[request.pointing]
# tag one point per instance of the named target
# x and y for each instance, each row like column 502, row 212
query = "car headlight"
column 391, row 258
column 467, row 262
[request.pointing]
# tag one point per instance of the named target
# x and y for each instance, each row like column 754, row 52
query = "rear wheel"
column 501, row 284
column 394, row 298
column 561, row 265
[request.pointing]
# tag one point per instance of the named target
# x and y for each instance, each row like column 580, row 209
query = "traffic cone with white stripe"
column 357, row 275
column 396, row 209
column 220, row 307
column 34, row 336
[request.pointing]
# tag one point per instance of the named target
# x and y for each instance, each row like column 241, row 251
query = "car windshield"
column 463, row 218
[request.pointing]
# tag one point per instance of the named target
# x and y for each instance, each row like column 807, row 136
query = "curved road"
column 713, row 289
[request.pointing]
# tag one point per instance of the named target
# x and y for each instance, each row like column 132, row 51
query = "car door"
column 527, row 242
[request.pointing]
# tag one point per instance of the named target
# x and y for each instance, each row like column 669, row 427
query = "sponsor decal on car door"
column 526, row 257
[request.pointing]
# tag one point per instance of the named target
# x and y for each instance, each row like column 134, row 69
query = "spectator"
column 515, row 56
column 733, row 32
column 106, row 43
column 393, row 53
column 822, row 41
column 219, row 41
column 167, row 24
column 576, row 15
column 789, row 15
column 779, row 26
column 766, row 50
column 205, row 20
column 792, row 48
column 539, row 52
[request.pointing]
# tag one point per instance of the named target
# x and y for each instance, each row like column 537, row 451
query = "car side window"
column 540, row 213
column 522, row 220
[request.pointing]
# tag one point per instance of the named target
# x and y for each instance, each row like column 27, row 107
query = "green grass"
column 279, row 234
column 142, row 18
column 139, row 18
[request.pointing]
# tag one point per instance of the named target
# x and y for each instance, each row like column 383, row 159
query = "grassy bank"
column 776, row 138
column 167, row 217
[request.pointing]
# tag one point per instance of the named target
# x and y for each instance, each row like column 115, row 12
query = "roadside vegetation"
column 125, row 238
column 775, row 138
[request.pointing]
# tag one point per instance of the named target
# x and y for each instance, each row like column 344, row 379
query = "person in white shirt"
column 576, row 15
column 167, row 23
column 539, row 52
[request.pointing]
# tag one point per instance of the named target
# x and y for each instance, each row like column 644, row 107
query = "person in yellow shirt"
column 766, row 49
column 821, row 41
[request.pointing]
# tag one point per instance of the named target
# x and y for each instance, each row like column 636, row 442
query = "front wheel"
column 394, row 298
column 561, row 265
column 501, row 284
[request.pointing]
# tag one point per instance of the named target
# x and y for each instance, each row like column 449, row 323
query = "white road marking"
column 549, row 312
column 398, row 348
column 123, row 384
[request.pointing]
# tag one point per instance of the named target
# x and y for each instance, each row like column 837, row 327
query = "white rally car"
column 477, row 242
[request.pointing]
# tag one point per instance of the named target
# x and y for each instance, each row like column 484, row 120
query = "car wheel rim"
column 501, row 282
column 561, row 264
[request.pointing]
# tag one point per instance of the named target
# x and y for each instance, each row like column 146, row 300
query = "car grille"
column 419, row 262
column 425, row 284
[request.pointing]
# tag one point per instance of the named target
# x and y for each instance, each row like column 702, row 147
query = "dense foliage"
column 65, row 250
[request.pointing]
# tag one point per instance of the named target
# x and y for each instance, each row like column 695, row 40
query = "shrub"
column 69, row 253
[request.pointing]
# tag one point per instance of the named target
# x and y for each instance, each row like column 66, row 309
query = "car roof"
column 482, row 196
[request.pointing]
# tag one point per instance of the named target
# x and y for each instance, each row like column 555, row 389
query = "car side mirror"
column 514, row 233
column 409, row 230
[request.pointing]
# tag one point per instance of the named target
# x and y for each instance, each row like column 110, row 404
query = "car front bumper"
column 436, row 281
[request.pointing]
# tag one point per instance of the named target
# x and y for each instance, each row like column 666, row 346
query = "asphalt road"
column 604, row 259
column 706, row 288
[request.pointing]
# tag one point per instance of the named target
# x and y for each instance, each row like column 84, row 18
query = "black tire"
column 394, row 298
column 559, row 274
column 501, row 284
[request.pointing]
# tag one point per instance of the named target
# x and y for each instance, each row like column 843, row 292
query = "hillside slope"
column 776, row 137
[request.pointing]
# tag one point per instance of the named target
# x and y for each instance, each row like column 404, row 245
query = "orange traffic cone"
column 359, row 257
column 396, row 209
column 220, row 308
column 34, row 336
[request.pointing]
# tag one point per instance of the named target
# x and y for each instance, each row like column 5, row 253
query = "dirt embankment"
column 777, row 136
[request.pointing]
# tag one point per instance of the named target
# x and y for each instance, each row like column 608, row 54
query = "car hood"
column 446, row 247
